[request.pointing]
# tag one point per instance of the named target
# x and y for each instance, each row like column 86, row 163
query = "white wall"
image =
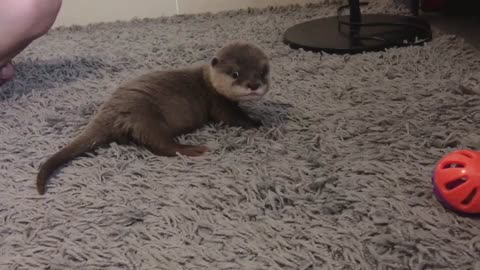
column 83, row 12
column 196, row 6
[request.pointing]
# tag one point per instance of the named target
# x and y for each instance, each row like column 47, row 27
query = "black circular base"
column 325, row 35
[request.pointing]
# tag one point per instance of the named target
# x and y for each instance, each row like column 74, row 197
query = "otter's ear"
column 214, row 61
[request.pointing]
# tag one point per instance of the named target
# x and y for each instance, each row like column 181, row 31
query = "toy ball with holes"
column 456, row 181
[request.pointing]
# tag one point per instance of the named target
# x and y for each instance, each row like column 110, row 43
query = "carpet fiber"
column 338, row 178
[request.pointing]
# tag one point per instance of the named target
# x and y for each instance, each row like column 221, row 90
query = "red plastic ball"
column 456, row 181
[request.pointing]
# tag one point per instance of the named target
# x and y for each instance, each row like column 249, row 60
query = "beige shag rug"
column 338, row 178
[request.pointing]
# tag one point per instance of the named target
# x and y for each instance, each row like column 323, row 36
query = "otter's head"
column 240, row 71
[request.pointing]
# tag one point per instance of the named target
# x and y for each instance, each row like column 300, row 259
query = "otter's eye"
column 265, row 72
column 235, row 74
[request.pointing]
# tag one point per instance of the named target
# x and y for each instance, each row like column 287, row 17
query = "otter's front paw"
column 251, row 124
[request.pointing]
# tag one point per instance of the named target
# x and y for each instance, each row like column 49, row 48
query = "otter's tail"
column 87, row 141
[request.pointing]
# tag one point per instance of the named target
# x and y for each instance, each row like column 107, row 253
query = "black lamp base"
column 373, row 33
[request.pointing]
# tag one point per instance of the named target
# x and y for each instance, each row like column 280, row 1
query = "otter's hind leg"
column 154, row 134
column 190, row 150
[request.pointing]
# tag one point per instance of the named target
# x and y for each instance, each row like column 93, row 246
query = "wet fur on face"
column 240, row 72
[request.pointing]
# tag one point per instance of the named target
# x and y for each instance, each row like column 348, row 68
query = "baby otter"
column 154, row 108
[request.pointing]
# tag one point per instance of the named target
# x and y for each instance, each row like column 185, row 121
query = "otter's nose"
column 253, row 86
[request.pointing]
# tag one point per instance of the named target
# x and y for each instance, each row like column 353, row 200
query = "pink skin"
column 22, row 22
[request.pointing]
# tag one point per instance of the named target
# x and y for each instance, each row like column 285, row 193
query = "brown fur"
column 153, row 109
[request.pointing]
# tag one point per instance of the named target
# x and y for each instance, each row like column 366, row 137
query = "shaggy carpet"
column 338, row 178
